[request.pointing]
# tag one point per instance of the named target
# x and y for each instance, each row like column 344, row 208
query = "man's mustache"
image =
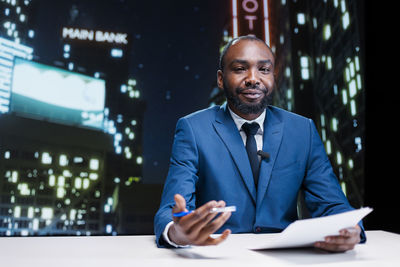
column 240, row 90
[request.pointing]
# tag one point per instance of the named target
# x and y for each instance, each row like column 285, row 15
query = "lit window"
column 52, row 180
column 345, row 20
column 22, row 17
column 344, row 97
column 31, row 212
column 327, row 32
column 352, row 69
column 46, row 158
column 359, row 85
column 7, row 154
column 47, row 213
column 304, row 62
column 353, row 107
column 328, row 147
column 338, row 158
column 60, row 192
column 14, row 176
column 63, row 160
column 132, row 82
column 357, row 63
column 343, row 5
column 35, row 224
column 301, row 19
column 117, row 53
column 322, row 120
column 86, row 183
column 31, row 33
column 78, row 183
column 93, row 176
column 67, row 48
column 61, row 181
column 108, row 228
column 94, row 164
column 17, row 211
column 139, row 160
column 335, row 3
column 343, row 186
column 335, row 123
column 305, row 74
column 351, row 163
column 315, row 23
column 358, row 143
column 24, row 189
column 329, row 63
column 72, row 214
column 352, row 88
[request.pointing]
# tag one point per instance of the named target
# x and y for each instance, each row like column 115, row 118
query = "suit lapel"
column 228, row 132
column 273, row 131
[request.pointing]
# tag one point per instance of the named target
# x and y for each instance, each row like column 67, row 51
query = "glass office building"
column 319, row 74
column 60, row 177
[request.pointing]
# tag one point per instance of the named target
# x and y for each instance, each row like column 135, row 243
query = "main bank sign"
column 95, row 36
column 250, row 17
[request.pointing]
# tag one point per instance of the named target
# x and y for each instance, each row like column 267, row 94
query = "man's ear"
column 220, row 79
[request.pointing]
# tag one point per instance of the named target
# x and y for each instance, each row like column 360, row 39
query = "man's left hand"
column 346, row 240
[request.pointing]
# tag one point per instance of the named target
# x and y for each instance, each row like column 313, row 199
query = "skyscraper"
column 58, row 177
column 319, row 72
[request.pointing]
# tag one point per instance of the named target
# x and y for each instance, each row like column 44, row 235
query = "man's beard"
column 247, row 108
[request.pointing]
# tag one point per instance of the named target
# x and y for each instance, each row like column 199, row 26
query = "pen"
column 213, row 210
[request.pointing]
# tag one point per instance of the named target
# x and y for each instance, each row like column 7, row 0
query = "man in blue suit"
column 214, row 157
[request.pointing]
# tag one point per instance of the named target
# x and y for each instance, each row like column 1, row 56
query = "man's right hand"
column 196, row 227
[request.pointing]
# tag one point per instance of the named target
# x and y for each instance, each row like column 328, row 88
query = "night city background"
column 90, row 93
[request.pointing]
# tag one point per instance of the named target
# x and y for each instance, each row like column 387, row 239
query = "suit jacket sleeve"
column 182, row 177
column 323, row 194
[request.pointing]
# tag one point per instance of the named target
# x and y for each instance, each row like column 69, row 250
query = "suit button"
column 258, row 229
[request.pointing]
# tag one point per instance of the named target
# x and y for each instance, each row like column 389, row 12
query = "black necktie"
column 251, row 147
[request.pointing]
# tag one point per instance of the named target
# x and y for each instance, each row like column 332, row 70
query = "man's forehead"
column 251, row 48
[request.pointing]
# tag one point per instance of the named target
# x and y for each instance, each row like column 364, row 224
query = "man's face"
column 248, row 77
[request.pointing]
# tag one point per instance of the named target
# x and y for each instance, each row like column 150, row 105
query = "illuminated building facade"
column 58, row 179
column 319, row 73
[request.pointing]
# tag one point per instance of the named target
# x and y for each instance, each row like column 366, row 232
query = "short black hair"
column 229, row 44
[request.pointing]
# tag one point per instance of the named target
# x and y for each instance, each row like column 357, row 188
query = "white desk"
column 382, row 249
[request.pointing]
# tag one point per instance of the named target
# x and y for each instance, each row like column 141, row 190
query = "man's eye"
column 265, row 69
column 238, row 69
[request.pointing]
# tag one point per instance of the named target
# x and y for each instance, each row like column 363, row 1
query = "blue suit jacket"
column 209, row 162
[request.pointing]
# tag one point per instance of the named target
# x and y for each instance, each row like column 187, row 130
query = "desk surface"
column 382, row 249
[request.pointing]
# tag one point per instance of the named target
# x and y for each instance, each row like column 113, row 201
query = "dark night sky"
column 174, row 57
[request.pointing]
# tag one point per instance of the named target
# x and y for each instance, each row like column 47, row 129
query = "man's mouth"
column 251, row 93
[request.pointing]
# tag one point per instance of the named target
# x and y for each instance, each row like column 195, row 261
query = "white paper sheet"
column 303, row 233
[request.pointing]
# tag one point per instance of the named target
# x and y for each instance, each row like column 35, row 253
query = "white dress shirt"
column 239, row 121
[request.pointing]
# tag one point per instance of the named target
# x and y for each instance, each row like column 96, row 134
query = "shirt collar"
column 239, row 121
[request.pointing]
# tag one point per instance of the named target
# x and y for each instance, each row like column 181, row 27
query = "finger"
column 218, row 240
column 351, row 231
column 333, row 247
column 216, row 224
column 180, row 205
column 198, row 215
column 197, row 227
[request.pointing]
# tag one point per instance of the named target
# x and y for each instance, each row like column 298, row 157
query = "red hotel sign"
column 250, row 17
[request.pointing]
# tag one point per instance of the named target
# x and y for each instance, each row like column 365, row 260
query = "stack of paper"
column 303, row 233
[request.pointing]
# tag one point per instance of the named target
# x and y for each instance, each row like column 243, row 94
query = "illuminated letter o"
column 248, row 9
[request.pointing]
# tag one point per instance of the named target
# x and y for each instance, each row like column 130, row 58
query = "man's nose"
column 252, row 79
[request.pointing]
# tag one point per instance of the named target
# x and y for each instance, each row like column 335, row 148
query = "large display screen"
column 45, row 92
